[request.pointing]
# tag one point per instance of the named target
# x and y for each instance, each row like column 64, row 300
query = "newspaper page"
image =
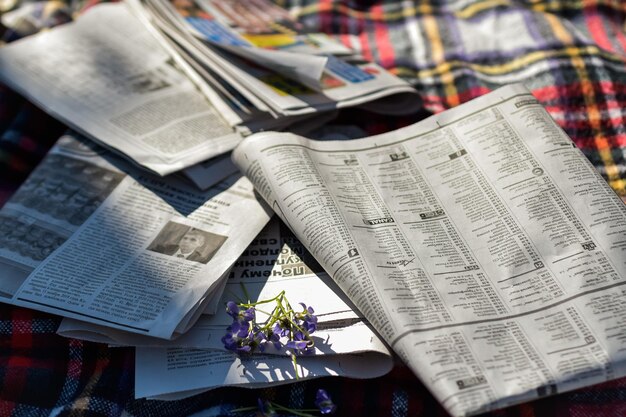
column 275, row 261
column 132, row 251
column 480, row 243
column 304, row 68
column 260, row 32
column 108, row 77
column 172, row 373
column 269, row 26
column 342, row 84
column 60, row 194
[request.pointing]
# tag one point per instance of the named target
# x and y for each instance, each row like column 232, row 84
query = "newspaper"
column 89, row 237
column 133, row 78
column 266, row 25
column 108, row 77
column 275, row 261
column 342, row 83
column 202, row 23
column 480, row 243
column 260, row 32
column 164, row 373
column 241, row 109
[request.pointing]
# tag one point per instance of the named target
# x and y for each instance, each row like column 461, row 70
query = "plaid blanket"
column 570, row 53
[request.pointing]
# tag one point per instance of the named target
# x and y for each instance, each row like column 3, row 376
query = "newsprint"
column 480, row 243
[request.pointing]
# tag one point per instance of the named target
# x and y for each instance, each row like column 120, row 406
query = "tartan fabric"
column 570, row 53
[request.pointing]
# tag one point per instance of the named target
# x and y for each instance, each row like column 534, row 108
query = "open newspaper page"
column 132, row 251
column 275, row 261
column 480, row 243
column 107, row 76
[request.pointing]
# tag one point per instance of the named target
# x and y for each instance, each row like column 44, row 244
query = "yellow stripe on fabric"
column 559, row 30
column 80, row 406
column 447, row 78
column 595, row 120
column 562, row 5
column 422, row 9
column 468, row 12
column 474, row 9
column 517, row 63
column 594, row 115
column 434, row 40
column 438, row 56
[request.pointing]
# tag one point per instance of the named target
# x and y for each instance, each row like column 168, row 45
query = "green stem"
column 269, row 300
column 291, row 410
column 245, row 291
column 295, row 365
column 263, row 311
column 242, row 409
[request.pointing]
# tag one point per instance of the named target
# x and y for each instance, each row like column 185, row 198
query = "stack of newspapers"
column 147, row 254
column 175, row 86
column 479, row 245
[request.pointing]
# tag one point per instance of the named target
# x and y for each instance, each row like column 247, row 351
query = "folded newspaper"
column 480, row 243
column 89, row 237
column 141, row 79
column 275, row 261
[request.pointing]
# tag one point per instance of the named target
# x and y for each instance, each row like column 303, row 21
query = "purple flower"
column 281, row 329
column 307, row 319
column 306, row 309
column 265, row 408
column 324, row 402
column 300, row 344
column 259, row 338
column 237, row 344
column 239, row 329
column 271, row 337
column 249, row 314
column 297, row 344
column 232, row 309
column 259, row 335
column 310, row 324
column 275, row 340
column 242, row 338
column 244, row 334
column 229, row 342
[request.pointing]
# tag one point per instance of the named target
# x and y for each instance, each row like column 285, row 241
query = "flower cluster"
column 266, row 408
column 283, row 327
